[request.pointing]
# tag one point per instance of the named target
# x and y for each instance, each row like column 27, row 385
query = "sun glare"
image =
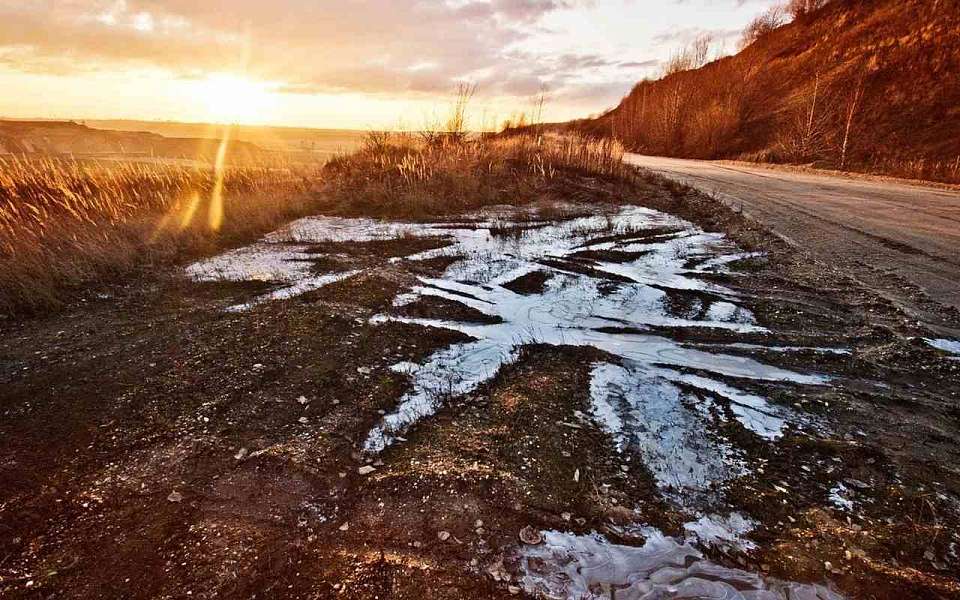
column 233, row 99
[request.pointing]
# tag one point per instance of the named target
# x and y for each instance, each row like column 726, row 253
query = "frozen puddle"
column 284, row 259
column 944, row 345
column 604, row 281
column 590, row 567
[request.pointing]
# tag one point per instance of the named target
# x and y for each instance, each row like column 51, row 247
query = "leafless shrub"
column 692, row 56
column 800, row 8
column 805, row 136
column 773, row 18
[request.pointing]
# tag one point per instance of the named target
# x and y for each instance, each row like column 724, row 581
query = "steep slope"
column 866, row 85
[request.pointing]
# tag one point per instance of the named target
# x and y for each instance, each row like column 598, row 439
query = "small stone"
column 566, row 516
column 531, row 535
column 576, row 475
column 443, row 536
column 514, row 590
column 241, row 454
column 345, row 527
column 303, row 420
column 303, row 400
column 175, row 496
column 258, row 367
column 478, row 523
column 366, row 469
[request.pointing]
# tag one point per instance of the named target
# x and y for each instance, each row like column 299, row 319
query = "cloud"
column 384, row 48
column 368, row 46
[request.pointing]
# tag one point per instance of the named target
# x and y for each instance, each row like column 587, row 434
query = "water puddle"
column 589, row 567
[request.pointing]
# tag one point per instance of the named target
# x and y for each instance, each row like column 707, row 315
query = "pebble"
column 175, row 496
column 443, row 536
column 345, row 527
column 530, row 535
column 366, row 470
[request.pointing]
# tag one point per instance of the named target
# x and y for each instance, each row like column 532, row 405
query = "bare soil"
column 153, row 445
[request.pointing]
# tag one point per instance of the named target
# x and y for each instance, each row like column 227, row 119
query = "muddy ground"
column 156, row 445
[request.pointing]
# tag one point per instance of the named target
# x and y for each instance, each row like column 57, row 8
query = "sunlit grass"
column 410, row 175
column 68, row 224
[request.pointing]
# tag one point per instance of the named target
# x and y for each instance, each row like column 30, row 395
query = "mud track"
column 211, row 437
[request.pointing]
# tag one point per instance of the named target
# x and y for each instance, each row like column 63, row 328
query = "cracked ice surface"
column 656, row 395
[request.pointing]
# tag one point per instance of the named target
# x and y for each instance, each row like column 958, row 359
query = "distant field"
column 327, row 142
column 181, row 143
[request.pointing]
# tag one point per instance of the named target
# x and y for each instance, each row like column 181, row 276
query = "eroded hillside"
column 860, row 85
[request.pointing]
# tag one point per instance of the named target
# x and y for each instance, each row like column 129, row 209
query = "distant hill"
column 68, row 138
column 870, row 85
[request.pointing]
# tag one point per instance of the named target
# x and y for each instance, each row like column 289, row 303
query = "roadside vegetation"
column 404, row 175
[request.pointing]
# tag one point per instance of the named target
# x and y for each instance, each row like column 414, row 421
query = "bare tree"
column 853, row 105
column 700, row 50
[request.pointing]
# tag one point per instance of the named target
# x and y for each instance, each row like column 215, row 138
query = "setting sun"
column 234, row 99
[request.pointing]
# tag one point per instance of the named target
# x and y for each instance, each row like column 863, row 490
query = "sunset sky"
column 343, row 64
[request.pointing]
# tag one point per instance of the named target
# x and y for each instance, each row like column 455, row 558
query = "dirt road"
column 901, row 240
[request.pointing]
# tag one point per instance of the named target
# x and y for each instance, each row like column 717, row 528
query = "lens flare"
column 216, row 198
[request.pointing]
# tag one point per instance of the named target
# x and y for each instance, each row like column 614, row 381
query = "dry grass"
column 408, row 176
column 65, row 224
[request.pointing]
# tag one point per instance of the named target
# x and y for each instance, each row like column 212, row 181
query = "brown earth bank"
column 860, row 85
column 155, row 445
